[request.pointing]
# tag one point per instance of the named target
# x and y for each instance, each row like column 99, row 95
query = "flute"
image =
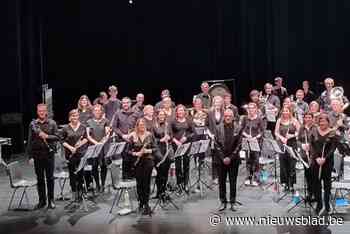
column 322, row 156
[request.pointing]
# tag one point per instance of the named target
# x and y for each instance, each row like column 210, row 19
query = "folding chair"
column 17, row 182
column 61, row 174
column 122, row 186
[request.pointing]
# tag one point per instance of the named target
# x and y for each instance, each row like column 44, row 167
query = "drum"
column 218, row 89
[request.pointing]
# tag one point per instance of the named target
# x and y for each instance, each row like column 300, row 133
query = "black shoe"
column 223, row 206
column 40, row 205
column 140, row 209
column 233, row 207
column 51, row 205
column 318, row 209
column 156, row 196
column 102, row 189
column 147, row 210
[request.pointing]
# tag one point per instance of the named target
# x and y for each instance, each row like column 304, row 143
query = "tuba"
column 336, row 93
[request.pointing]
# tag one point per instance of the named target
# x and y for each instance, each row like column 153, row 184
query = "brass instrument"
column 336, row 93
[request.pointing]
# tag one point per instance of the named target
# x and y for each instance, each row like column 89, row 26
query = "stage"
column 193, row 216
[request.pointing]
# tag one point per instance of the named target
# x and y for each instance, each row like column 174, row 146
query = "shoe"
column 156, row 196
column 147, row 210
column 40, row 205
column 140, row 209
column 318, row 210
column 254, row 183
column 102, row 189
column 51, row 205
column 247, row 182
column 233, row 207
column 223, row 206
column 216, row 181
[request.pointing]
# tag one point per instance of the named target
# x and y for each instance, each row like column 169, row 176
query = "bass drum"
column 218, row 89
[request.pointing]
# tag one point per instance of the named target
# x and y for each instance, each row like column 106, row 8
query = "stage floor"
column 193, row 216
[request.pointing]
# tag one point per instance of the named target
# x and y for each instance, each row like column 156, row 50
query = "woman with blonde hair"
column 143, row 148
column 286, row 132
column 85, row 109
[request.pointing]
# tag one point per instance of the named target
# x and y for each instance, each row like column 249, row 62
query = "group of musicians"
column 312, row 126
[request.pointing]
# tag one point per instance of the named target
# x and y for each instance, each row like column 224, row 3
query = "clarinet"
column 36, row 129
column 166, row 145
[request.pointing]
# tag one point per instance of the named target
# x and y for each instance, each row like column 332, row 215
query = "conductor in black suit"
column 226, row 158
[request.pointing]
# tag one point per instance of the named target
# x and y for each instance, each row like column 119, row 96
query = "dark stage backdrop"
column 81, row 47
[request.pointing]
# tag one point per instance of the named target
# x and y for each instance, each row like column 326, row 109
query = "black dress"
column 182, row 164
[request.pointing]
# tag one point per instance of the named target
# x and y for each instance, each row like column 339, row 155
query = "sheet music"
column 254, row 144
column 111, row 151
column 195, row 147
column 182, row 149
column 204, row 146
column 270, row 116
column 245, row 145
column 276, row 147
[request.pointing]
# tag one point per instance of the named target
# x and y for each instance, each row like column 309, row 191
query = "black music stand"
column 115, row 148
column 249, row 145
column 272, row 146
column 302, row 198
column 93, row 151
column 180, row 153
column 199, row 147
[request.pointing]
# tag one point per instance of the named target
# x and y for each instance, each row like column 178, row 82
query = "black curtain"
column 81, row 47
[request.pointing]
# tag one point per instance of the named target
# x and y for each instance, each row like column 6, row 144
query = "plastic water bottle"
column 296, row 197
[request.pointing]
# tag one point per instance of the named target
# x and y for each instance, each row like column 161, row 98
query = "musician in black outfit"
column 304, row 137
column 143, row 148
column 323, row 142
column 182, row 130
column 41, row 149
column 286, row 132
column 98, row 131
column 227, row 158
column 74, row 142
column 252, row 127
column 162, row 135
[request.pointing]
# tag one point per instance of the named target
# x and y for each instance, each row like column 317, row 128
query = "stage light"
column 131, row 1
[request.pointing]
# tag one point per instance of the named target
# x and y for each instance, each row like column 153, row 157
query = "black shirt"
column 37, row 148
column 97, row 128
column 71, row 137
column 111, row 107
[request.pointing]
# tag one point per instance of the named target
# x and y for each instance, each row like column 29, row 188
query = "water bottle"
column 296, row 197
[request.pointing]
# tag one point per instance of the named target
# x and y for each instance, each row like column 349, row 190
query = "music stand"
column 249, row 145
column 272, row 146
column 199, row 147
column 93, row 151
column 115, row 148
column 180, row 153
column 302, row 198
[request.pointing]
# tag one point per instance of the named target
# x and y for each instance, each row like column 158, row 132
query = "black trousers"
column 326, row 176
column 308, row 177
column 44, row 168
column 128, row 166
column 252, row 164
column 75, row 179
column 143, row 179
column 95, row 162
column 287, row 169
column 162, row 176
column 232, row 172
column 182, row 169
